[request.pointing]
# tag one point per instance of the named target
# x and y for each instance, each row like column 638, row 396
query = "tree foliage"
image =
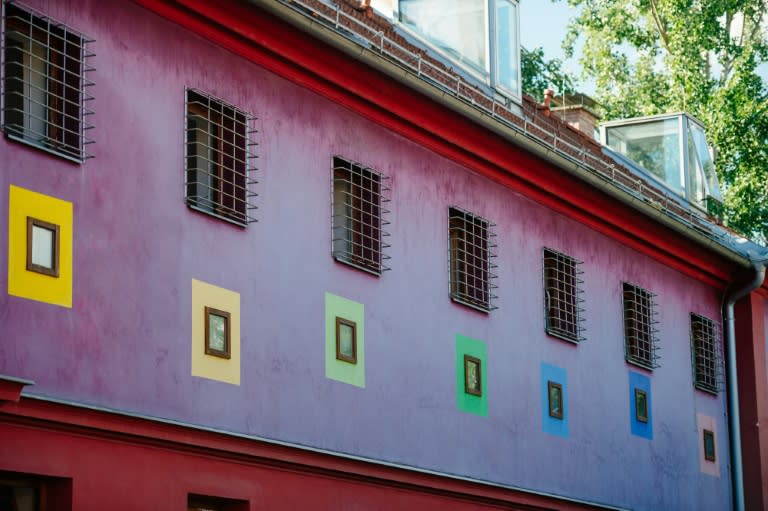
column 659, row 56
column 540, row 74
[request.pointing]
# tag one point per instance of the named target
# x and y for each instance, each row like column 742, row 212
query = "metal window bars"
column 359, row 194
column 220, row 158
column 45, row 86
column 471, row 251
column 563, row 309
column 706, row 354
column 640, row 332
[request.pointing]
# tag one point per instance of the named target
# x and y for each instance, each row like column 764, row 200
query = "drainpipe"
column 732, row 387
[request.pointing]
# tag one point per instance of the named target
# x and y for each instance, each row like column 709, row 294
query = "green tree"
column 540, row 74
column 700, row 56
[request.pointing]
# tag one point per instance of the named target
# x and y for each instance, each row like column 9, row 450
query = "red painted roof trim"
column 275, row 45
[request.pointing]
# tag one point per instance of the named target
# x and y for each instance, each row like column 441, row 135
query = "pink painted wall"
column 125, row 343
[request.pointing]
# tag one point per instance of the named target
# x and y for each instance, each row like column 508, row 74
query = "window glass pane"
column 42, row 246
column 458, row 27
column 507, row 67
column 346, row 347
column 217, row 332
column 654, row 146
column 708, row 177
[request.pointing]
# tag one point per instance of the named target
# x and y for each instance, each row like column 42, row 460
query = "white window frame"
column 491, row 63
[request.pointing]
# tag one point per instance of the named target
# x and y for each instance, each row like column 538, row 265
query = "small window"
column 705, row 347
column 709, row 445
column 206, row 503
column 27, row 492
column 44, row 83
column 473, row 375
column 42, row 247
column 641, row 405
column 470, row 253
column 217, row 333
column 562, row 296
column 346, row 340
column 555, row 397
column 640, row 326
column 220, row 159
column 359, row 195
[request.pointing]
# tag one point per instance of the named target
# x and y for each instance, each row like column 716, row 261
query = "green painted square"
column 467, row 402
column 354, row 374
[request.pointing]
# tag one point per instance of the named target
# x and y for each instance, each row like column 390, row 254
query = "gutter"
column 732, row 386
column 512, row 133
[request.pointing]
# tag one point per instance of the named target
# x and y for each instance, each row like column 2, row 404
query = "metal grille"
column 220, row 158
column 640, row 341
column 45, row 96
column 706, row 354
column 470, row 253
column 562, row 296
column 359, row 195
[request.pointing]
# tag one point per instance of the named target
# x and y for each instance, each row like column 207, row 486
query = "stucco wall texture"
column 125, row 343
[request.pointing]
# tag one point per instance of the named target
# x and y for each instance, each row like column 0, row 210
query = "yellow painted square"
column 23, row 283
column 208, row 366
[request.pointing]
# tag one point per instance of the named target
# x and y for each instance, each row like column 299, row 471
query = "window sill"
column 472, row 305
column 352, row 263
column 41, row 146
column 707, row 389
column 564, row 337
column 216, row 215
column 641, row 364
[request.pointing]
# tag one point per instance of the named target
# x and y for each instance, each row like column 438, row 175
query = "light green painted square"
column 468, row 402
column 354, row 374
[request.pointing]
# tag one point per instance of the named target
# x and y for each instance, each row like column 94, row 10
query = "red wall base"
column 117, row 462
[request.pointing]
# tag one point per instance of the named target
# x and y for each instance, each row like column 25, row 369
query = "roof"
column 382, row 41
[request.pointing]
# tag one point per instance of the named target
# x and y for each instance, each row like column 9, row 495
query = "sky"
column 543, row 23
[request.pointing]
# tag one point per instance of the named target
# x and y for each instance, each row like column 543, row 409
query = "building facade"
column 249, row 268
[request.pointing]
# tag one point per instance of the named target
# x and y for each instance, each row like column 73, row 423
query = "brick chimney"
column 579, row 111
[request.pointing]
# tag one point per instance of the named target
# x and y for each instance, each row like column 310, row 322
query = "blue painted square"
column 553, row 425
column 642, row 382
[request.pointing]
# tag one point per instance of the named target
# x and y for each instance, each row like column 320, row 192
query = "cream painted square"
column 207, row 366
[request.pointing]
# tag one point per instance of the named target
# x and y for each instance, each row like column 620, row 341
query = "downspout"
column 732, row 386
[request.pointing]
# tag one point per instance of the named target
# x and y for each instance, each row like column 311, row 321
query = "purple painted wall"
column 125, row 343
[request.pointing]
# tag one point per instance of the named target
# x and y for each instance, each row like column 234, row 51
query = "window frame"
column 33, row 222
column 226, row 353
column 640, row 332
column 339, row 355
column 225, row 146
column 706, row 367
column 57, row 99
column 641, row 396
column 562, row 296
column 468, row 388
column 465, row 272
column 554, row 412
column 709, row 455
column 358, row 215
column 491, row 22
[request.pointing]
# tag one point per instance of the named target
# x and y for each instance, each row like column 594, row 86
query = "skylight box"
column 673, row 149
column 481, row 36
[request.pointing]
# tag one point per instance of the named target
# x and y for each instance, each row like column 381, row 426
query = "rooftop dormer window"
column 480, row 35
column 673, row 149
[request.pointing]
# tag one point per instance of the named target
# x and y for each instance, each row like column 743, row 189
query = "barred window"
column 562, row 296
column 359, row 196
column 470, row 254
column 45, row 96
column 706, row 353
column 220, row 158
column 640, row 342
